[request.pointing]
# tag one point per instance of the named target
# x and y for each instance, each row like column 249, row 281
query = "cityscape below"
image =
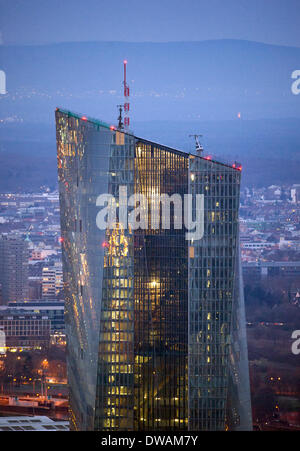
column 33, row 377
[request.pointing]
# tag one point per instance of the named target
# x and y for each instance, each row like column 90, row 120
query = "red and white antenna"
column 126, row 99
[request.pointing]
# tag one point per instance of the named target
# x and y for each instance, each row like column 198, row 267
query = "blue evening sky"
column 44, row 21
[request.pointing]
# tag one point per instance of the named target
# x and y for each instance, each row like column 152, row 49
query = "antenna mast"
column 120, row 119
column 198, row 145
column 126, row 99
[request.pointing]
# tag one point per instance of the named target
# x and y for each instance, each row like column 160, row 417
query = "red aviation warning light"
column 237, row 166
column 126, row 98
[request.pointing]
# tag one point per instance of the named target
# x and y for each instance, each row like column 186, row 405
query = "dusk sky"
column 42, row 21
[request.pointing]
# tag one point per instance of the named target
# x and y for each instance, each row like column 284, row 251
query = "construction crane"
column 198, row 145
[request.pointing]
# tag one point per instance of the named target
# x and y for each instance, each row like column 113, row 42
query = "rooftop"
column 34, row 423
column 235, row 166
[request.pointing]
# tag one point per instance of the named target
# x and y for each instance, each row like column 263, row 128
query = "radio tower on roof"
column 126, row 99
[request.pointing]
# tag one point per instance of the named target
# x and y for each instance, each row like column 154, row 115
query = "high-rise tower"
column 13, row 268
column 155, row 322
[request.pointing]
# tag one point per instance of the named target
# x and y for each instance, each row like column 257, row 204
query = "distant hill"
column 176, row 89
column 208, row 80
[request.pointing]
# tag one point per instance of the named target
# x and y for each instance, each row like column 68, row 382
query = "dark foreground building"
column 155, row 322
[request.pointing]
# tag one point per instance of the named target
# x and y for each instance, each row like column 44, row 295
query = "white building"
column 34, row 423
column 52, row 281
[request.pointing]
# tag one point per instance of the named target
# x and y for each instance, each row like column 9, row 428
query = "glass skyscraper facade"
column 155, row 322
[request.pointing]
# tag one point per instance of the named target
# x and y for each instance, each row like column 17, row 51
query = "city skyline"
column 149, row 287
column 269, row 218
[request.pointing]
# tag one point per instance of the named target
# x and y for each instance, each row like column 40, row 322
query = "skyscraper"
column 155, row 321
column 13, row 268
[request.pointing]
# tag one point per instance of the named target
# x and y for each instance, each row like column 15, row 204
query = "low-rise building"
column 25, row 330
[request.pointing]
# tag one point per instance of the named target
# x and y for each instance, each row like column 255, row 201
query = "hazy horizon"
column 273, row 22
